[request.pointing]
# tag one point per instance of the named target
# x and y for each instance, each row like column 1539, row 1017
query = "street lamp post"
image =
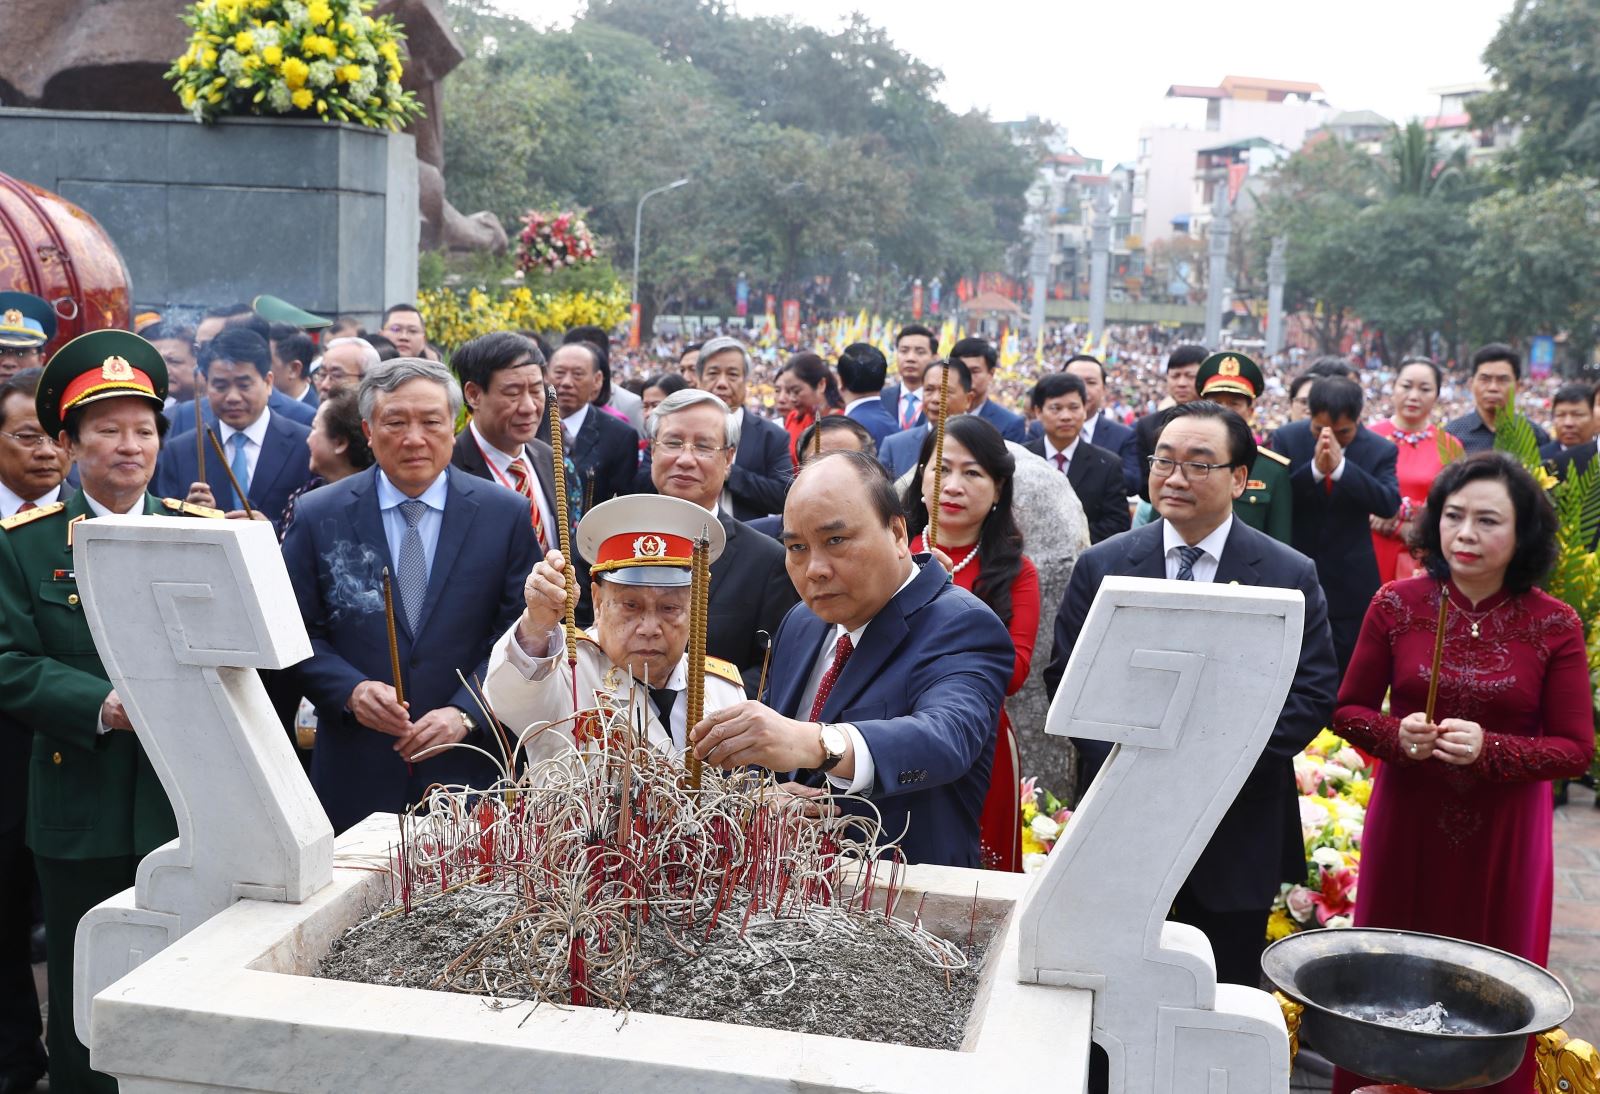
column 638, row 221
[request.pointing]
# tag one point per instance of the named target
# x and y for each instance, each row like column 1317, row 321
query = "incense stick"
column 394, row 647
column 932, row 538
column 1438, row 652
column 238, row 491
column 200, row 430
column 766, row 660
column 564, row 536
column 699, row 583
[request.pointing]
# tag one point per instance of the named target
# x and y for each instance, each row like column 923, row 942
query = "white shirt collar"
column 256, row 431
column 575, row 422
column 1071, row 450
column 1211, row 545
column 501, row 460
column 102, row 511
column 1087, row 432
column 389, row 495
column 11, row 501
column 859, row 400
column 855, row 635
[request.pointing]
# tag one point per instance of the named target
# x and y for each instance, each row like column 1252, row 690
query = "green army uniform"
column 1267, row 502
column 95, row 805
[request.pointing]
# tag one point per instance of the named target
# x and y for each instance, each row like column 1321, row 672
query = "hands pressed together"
column 1328, row 454
column 375, row 706
column 1453, row 740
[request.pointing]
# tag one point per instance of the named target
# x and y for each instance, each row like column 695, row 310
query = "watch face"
column 835, row 740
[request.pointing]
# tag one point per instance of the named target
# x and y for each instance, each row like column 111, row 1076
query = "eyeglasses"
column 674, row 449
column 1193, row 470
column 30, row 440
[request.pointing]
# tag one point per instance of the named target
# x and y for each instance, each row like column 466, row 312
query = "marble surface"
column 1188, row 680
column 183, row 613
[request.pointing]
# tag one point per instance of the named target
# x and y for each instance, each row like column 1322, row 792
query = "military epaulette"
column 38, row 513
column 716, row 666
column 1271, row 455
column 190, row 509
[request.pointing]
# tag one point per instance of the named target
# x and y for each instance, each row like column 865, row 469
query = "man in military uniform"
column 27, row 322
column 638, row 547
column 1235, row 381
column 95, row 806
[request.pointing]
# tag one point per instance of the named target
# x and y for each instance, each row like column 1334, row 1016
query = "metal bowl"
column 1347, row 976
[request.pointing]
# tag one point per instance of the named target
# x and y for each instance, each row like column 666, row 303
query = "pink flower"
column 1301, row 903
column 1338, row 895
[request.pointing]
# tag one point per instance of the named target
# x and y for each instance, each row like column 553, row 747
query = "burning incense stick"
column 564, row 534
column 766, row 661
column 1438, row 651
column 394, row 647
column 931, row 539
column 238, row 491
column 700, row 582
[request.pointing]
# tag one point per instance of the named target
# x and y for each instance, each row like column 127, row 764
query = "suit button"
column 73, row 599
column 55, row 758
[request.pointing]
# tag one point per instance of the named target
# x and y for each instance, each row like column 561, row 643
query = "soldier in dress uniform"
column 1235, row 381
column 638, row 547
column 27, row 322
column 95, row 806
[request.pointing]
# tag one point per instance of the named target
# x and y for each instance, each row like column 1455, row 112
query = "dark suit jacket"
column 282, row 468
column 1146, row 432
column 335, row 552
column 1331, row 528
column 762, row 470
column 750, row 592
column 1096, row 477
column 877, row 421
column 606, row 454
column 1565, row 459
column 1120, row 440
column 898, row 453
column 469, row 458
column 890, row 397
column 181, row 415
column 1011, row 425
column 924, row 689
column 1257, row 846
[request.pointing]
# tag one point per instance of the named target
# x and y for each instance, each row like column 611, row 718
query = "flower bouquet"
column 553, row 241
column 1335, row 782
column 1043, row 818
column 324, row 59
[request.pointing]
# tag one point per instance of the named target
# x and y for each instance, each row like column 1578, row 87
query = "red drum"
column 53, row 249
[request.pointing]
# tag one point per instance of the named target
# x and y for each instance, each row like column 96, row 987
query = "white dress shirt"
column 1087, row 432
column 865, row 768
column 726, row 497
column 575, row 422
column 1051, row 451
column 394, row 522
column 1205, row 567
column 500, row 463
column 255, row 436
column 10, row 501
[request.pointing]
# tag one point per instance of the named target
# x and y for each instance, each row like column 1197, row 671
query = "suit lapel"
column 882, row 637
column 1239, row 557
column 367, row 519
column 274, row 457
column 544, row 471
column 586, row 434
column 1077, row 468
column 459, row 509
column 800, row 651
column 1145, row 557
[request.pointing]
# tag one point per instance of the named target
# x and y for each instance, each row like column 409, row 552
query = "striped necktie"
column 1187, row 557
column 522, row 482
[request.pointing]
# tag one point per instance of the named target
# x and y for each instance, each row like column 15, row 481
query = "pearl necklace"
column 1480, row 617
column 964, row 563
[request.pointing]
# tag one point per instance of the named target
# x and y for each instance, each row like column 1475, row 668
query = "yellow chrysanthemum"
column 320, row 14
column 244, row 42
column 301, row 99
column 295, row 72
column 350, row 73
column 316, row 43
column 186, row 97
column 184, row 62
column 1279, row 925
column 273, row 55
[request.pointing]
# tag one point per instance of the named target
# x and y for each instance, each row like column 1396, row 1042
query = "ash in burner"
column 1428, row 1019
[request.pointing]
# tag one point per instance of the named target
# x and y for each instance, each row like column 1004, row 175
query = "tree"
column 1545, row 64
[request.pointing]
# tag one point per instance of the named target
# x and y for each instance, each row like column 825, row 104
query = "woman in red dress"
column 809, row 386
column 1425, row 448
column 1457, row 835
column 981, row 546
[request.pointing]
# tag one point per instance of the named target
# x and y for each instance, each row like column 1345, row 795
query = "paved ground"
column 1575, row 934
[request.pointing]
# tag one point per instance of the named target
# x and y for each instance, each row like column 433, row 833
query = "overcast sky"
column 1102, row 70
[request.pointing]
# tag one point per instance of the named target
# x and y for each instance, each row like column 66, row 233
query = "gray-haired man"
column 693, row 438
column 762, row 469
column 457, row 548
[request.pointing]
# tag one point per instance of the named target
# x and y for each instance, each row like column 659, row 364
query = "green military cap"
column 103, row 364
column 25, row 320
column 1230, row 372
column 274, row 310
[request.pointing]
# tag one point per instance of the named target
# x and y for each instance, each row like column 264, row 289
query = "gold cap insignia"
column 13, row 317
column 116, row 368
column 1229, row 367
column 649, row 547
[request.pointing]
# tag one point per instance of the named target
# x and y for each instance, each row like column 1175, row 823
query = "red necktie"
column 1061, row 462
column 841, row 654
column 524, row 486
column 25, row 506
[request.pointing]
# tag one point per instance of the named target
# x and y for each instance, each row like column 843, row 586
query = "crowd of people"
column 871, row 598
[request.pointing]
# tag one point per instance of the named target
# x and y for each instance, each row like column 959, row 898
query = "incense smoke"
column 357, row 585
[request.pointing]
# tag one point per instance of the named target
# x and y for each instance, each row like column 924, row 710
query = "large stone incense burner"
column 200, row 976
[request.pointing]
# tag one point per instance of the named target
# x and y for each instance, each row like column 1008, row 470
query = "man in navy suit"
column 215, row 321
column 862, row 371
column 603, row 447
column 899, row 453
column 981, row 358
column 1202, row 462
column 1102, row 431
column 886, row 682
column 914, row 349
column 266, row 452
column 761, row 470
column 1572, row 409
column 458, row 550
column 1341, row 473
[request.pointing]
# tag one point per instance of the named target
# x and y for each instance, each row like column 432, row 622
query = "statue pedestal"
column 322, row 215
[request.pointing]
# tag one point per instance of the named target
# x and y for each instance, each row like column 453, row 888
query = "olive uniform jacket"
column 89, row 795
column 1267, row 504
